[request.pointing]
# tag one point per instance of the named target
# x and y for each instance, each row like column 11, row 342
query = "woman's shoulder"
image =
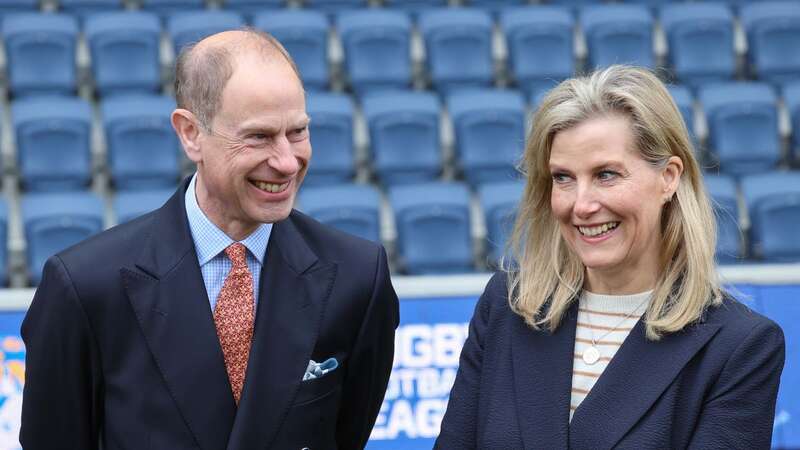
column 737, row 321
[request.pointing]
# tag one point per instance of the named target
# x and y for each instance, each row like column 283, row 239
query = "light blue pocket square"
column 316, row 370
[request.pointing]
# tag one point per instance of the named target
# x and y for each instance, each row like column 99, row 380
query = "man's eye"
column 300, row 130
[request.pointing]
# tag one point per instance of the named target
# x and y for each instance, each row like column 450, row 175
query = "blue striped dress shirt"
column 210, row 243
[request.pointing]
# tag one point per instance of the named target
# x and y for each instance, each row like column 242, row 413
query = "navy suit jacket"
column 122, row 350
column 710, row 386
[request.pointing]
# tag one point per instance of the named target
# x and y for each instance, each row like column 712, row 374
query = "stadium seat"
column 791, row 98
column 540, row 46
column 125, row 51
column 722, row 190
column 304, row 34
column 352, row 208
column 685, row 103
column 376, row 48
column 53, row 142
column 85, row 8
column 40, row 53
column 331, row 137
column 489, row 133
column 190, row 27
column 575, row 3
column 165, row 8
column 700, row 37
column 773, row 204
column 433, row 227
column 499, row 202
column 55, row 221
column 4, row 273
column 332, row 6
column 249, row 8
column 618, row 34
column 743, row 126
column 414, row 6
column 773, row 32
column 784, row 309
column 18, row 6
column 495, row 6
column 404, row 135
column 142, row 148
column 458, row 47
column 129, row 205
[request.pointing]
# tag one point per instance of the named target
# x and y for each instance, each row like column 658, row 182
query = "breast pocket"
column 317, row 388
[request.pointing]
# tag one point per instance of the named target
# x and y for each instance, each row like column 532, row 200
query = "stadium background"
column 419, row 110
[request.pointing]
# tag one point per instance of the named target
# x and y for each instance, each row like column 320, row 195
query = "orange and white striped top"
column 609, row 318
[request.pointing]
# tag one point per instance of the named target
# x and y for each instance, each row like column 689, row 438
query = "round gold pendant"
column 591, row 355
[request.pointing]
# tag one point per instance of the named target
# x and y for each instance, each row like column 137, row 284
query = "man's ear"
column 671, row 175
column 186, row 127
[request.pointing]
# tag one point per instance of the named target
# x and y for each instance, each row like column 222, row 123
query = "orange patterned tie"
column 233, row 316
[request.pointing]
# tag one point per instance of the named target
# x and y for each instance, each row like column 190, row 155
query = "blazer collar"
column 634, row 379
column 168, row 296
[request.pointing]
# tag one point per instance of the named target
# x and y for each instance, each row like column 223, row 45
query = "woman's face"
column 608, row 203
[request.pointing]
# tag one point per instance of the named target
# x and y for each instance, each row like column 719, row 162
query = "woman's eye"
column 607, row 175
column 560, row 177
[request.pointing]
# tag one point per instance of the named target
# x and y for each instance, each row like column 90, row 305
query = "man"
column 183, row 329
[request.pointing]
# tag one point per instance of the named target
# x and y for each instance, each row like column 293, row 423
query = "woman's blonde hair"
column 544, row 275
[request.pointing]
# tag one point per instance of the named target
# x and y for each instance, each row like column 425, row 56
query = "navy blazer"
column 710, row 386
column 122, row 350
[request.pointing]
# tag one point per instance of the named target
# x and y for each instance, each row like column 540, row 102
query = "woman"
column 614, row 242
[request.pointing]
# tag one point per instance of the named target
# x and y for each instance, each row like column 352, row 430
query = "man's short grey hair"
column 201, row 74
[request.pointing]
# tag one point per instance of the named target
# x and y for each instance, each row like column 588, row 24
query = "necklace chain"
column 614, row 328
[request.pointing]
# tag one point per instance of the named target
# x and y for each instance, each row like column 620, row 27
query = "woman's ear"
column 671, row 176
column 188, row 131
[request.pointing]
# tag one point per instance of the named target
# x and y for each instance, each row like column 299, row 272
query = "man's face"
column 256, row 154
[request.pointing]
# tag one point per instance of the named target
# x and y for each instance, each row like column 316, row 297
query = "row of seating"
column 124, row 46
column 53, row 135
column 433, row 224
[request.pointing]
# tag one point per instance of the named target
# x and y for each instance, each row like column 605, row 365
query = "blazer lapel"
column 543, row 380
column 295, row 287
column 168, row 296
column 634, row 379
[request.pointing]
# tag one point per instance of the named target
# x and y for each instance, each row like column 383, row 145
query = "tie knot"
column 236, row 252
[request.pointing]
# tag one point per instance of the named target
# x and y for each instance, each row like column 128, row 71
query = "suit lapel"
column 542, row 381
column 295, row 287
column 168, row 296
column 634, row 379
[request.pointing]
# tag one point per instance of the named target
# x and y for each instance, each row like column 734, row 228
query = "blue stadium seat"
column 540, row 46
column 791, row 98
column 743, row 126
column 165, row 8
column 495, row 6
column 415, row 6
column 53, row 142
column 650, row 3
column 404, row 135
column 685, row 103
column 190, row 27
column 40, row 53
column 304, row 34
column 433, row 227
column 489, row 133
column 55, row 221
column 773, row 34
column 722, row 190
column 700, row 37
column 352, row 208
column 85, row 8
column 376, row 48
column 575, row 3
column 332, row 6
column 784, row 309
column 773, row 204
column 125, row 51
column 18, row 6
column 249, row 8
column 3, row 243
column 618, row 34
column 458, row 47
column 142, row 148
column 499, row 202
column 129, row 205
column 331, row 137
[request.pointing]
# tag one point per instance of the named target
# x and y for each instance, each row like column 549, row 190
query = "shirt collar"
column 209, row 240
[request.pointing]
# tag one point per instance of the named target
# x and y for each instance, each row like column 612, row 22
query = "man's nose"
column 283, row 158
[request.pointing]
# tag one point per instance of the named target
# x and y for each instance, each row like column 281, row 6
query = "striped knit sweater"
column 609, row 318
